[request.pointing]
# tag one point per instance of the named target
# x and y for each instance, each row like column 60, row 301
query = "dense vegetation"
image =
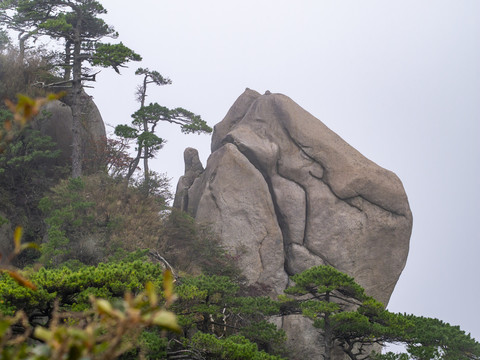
column 107, row 270
column 356, row 322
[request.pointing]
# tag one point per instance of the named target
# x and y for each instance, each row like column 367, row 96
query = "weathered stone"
column 56, row 120
column 278, row 173
column 234, row 115
column 235, row 200
column 193, row 169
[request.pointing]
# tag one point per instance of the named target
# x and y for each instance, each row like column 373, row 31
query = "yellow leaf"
column 17, row 238
column 26, row 107
column 151, row 293
column 168, row 284
column 56, row 96
column 104, row 307
column 30, row 246
column 43, row 334
column 166, row 320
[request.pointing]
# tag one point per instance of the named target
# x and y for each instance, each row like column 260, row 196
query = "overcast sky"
column 398, row 80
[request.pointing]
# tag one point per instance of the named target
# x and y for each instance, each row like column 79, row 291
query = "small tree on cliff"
column 328, row 293
column 76, row 25
column 146, row 119
column 354, row 322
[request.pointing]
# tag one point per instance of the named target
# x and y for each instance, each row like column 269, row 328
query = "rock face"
column 56, row 122
column 285, row 193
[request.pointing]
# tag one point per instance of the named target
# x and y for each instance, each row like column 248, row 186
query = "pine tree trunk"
column 76, row 137
column 133, row 166
column 77, row 153
column 21, row 48
column 146, row 170
column 327, row 333
column 68, row 59
column 146, row 150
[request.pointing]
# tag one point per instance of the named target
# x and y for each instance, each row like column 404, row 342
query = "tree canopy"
column 354, row 322
column 76, row 25
column 146, row 119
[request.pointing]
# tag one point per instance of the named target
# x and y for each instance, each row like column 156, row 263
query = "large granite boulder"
column 285, row 193
column 55, row 120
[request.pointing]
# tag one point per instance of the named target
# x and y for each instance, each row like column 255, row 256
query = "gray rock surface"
column 286, row 193
column 243, row 213
column 55, row 121
column 193, row 169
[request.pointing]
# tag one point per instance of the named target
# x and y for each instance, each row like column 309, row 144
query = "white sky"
column 398, row 80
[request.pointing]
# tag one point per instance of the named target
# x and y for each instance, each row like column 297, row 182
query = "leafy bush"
column 91, row 218
column 27, row 170
column 72, row 288
column 205, row 305
column 354, row 322
column 18, row 76
column 108, row 331
column 195, row 249
column 214, row 305
column 235, row 347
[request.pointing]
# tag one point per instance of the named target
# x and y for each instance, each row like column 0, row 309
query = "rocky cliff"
column 56, row 121
column 285, row 193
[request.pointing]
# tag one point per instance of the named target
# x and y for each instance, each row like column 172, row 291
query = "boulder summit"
column 285, row 193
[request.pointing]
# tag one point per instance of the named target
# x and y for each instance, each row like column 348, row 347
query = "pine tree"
column 146, row 119
column 353, row 321
column 76, row 25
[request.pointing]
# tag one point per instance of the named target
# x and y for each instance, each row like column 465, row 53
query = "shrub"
column 18, row 77
column 234, row 347
column 108, row 331
column 72, row 288
column 195, row 248
column 27, row 170
column 94, row 217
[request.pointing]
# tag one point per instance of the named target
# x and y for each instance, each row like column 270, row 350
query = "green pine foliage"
column 354, row 321
column 28, row 168
column 328, row 281
column 112, row 55
column 146, row 119
column 235, row 347
column 214, row 305
column 109, row 330
column 433, row 338
column 72, row 288
column 92, row 218
column 209, row 308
